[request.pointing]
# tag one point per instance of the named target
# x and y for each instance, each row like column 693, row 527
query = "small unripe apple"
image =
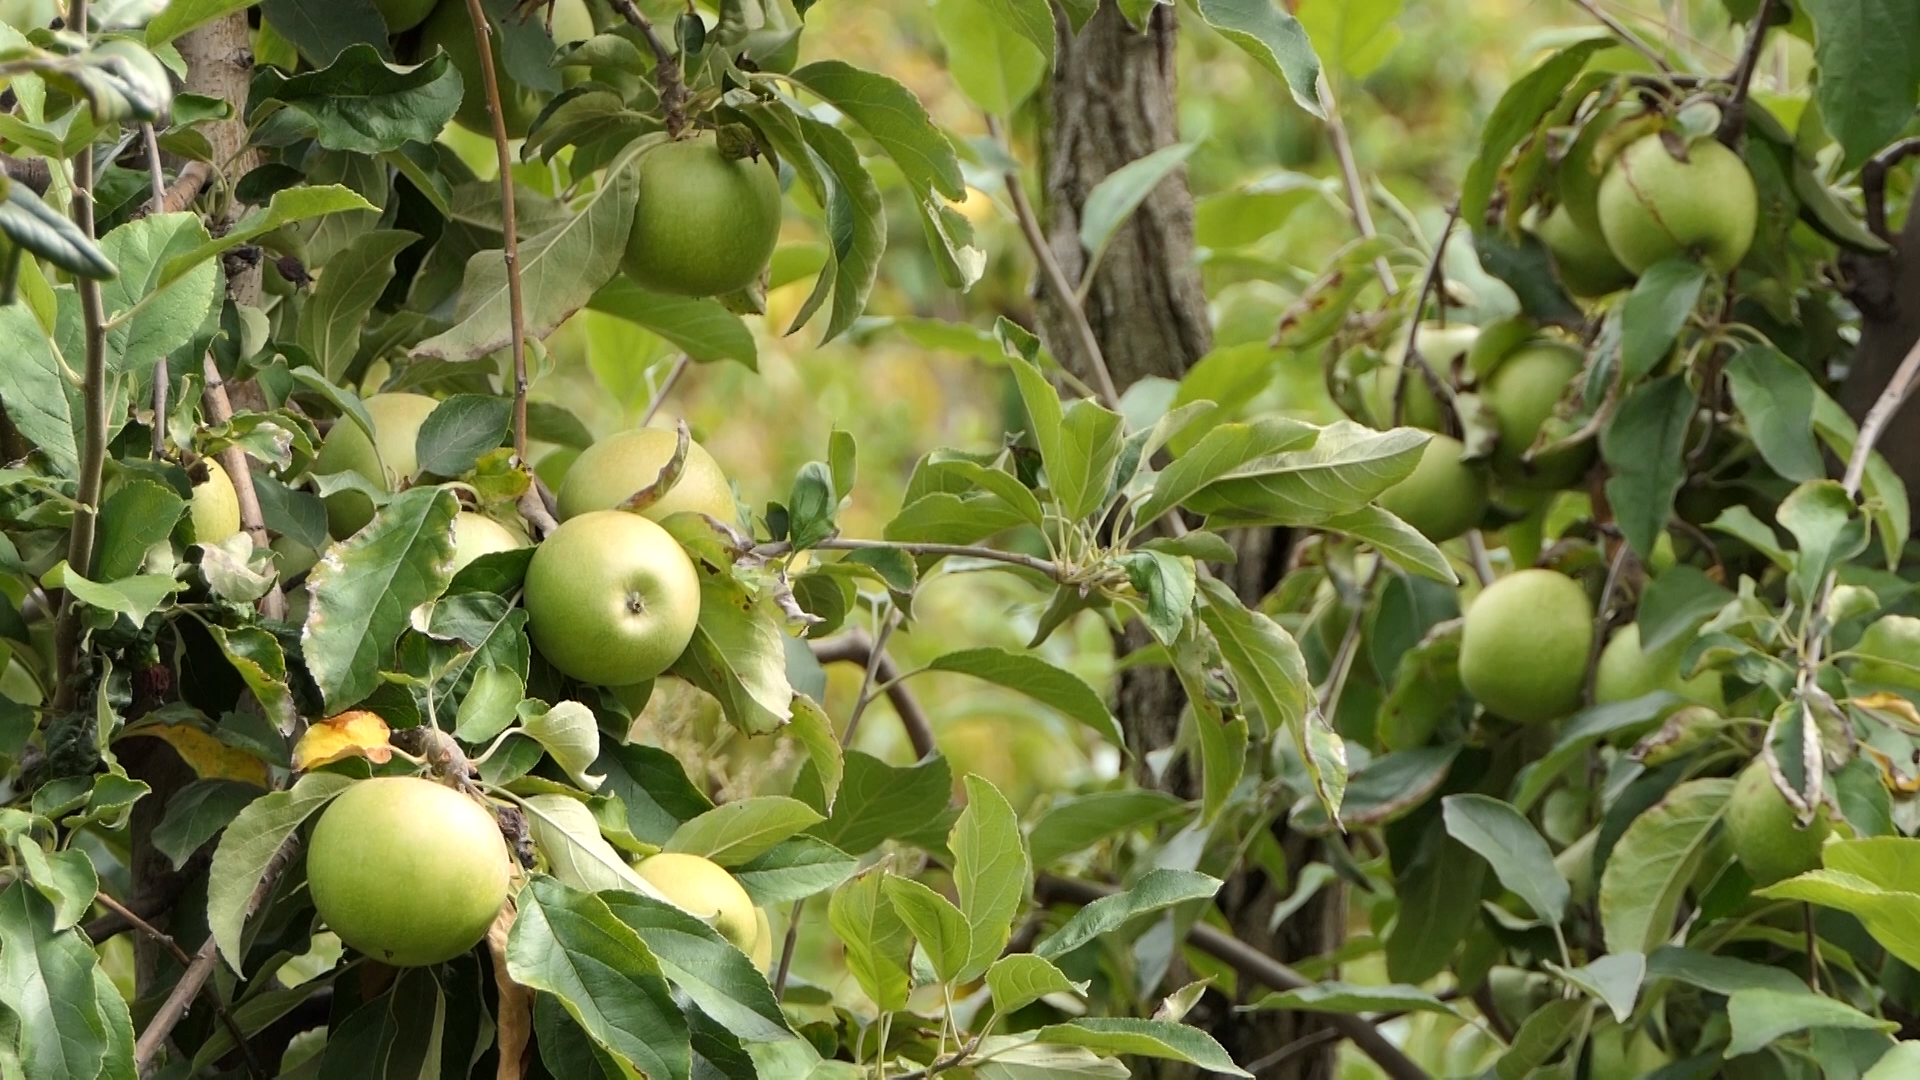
column 702, row 888
column 1523, row 650
column 1444, row 496
column 706, row 223
column 1523, row 393
column 388, row 459
column 216, row 506
column 475, row 535
column 1586, row 265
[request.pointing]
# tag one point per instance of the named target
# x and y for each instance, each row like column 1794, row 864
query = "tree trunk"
column 1887, row 291
column 1112, row 103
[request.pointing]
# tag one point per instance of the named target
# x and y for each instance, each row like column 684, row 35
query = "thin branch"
column 838, row 543
column 93, row 445
column 856, row 647
column 1735, row 121
column 1350, row 178
column 158, row 182
column 1873, row 182
column 1414, row 356
column 147, row 1050
column 1477, row 555
column 1057, row 283
column 1602, row 618
column 192, row 179
column 155, row 178
column 1253, row 964
column 119, row 917
column 509, row 226
column 1620, row 30
column 234, row 459
column 678, row 369
column 669, row 82
column 174, row 950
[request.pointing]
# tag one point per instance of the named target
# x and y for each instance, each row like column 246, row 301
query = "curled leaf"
column 357, row 733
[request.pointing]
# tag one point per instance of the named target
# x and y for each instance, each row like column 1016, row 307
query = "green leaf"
column 855, row 222
column 40, row 400
column 1775, row 397
column 1144, row 1038
column 993, row 63
column 1654, row 313
column 134, row 518
column 1275, row 39
column 740, row 831
column 1520, row 858
column 65, row 878
column 738, row 655
column 38, row 228
column 1020, row 979
column 359, row 103
column 1401, row 543
column 1719, row 974
column 571, row 945
column 1346, row 468
column 566, row 832
column 810, row 506
column 1219, row 452
column 1053, row 687
column 1351, row 999
column 703, row 329
column 1758, row 1017
column 1031, row 19
column 653, row 786
column 249, row 844
column 460, row 430
column 197, row 814
column 1645, row 445
column 1354, row 37
column 363, row 592
column 47, row 979
column 1114, row 199
column 322, row 29
column 1541, row 1036
column 491, row 704
column 1156, row 891
column 1892, row 917
column 1167, row 585
column 181, row 16
column 165, row 321
column 889, row 113
column 718, row 977
column 814, row 730
column 560, row 271
column 1614, row 980
column 1078, row 823
column 1820, row 517
column 875, row 938
column 1271, row 675
column 946, row 518
column 1886, row 493
column 793, row 870
column 286, row 207
column 880, row 802
column 1869, row 71
column 1676, row 603
column 937, row 925
column 135, row 597
column 332, row 320
column 1653, row 863
column 990, row 871
column 1526, row 102
column 1902, row 1060
column 569, row 734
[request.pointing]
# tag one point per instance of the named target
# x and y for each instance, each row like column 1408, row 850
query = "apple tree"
column 1529, row 691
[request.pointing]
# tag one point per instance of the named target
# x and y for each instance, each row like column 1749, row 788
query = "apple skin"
column 1766, row 838
column 408, row 871
column 700, row 887
column 607, row 473
column 475, row 535
column 1626, row 672
column 403, row 15
column 611, row 598
column 1522, row 393
column 1523, row 650
column 1654, row 206
column 215, row 507
column 1441, row 346
column 396, row 429
column 1444, row 497
column 705, row 224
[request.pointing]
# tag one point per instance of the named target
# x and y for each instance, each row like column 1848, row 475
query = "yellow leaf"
column 351, row 734
column 208, row 757
column 1892, row 708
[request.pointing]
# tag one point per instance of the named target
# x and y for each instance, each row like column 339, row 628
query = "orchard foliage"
column 271, row 503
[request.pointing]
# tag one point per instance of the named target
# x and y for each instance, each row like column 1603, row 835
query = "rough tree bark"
column 1887, row 291
column 1112, row 102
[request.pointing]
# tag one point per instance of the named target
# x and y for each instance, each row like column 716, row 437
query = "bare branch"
column 1734, row 123
column 1873, row 182
column 1350, row 177
column 509, row 225
column 855, row 647
column 180, row 955
column 1632, row 40
column 233, row 459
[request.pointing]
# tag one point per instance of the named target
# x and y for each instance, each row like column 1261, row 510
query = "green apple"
column 607, row 473
column 1626, row 672
column 475, row 535
column 1767, row 838
column 706, row 223
column 1585, row 262
column 216, row 506
column 611, row 598
column 1442, row 346
column 1444, row 496
column 1522, row 394
column 403, row 15
column 1654, row 206
column 1523, row 650
column 700, row 887
column 388, row 460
